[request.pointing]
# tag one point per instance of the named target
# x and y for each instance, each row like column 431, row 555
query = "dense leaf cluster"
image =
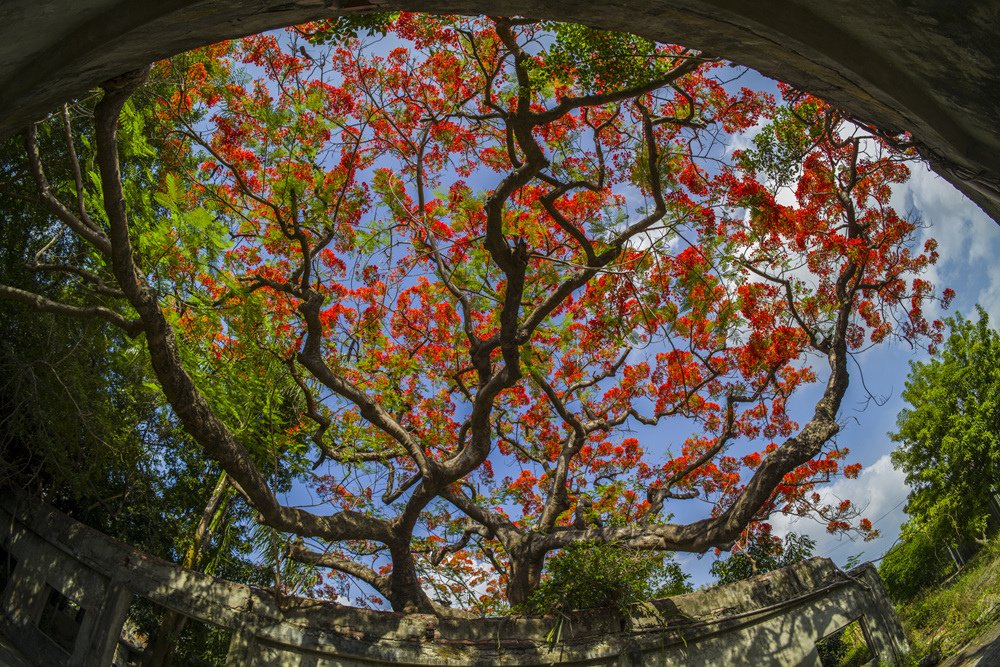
column 763, row 554
column 949, row 447
column 588, row 575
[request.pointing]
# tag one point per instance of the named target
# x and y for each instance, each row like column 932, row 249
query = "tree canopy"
column 493, row 290
column 949, row 446
column 765, row 553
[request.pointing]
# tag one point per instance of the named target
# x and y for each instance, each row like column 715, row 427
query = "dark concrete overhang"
column 929, row 67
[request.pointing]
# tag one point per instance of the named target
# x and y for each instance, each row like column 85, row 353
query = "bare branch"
column 88, row 232
column 131, row 327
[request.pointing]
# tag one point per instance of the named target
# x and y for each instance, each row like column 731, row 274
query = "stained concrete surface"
column 11, row 657
column 926, row 66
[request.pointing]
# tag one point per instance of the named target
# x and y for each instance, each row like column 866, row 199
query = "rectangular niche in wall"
column 61, row 619
column 847, row 647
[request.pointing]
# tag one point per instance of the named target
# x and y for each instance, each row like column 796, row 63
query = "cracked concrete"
column 773, row 619
column 927, row 67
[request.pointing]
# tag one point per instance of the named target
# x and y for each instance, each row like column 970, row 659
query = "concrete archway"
column 928, row 67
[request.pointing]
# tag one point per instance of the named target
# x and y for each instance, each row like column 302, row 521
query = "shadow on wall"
column 930, row 68
column 67, row 592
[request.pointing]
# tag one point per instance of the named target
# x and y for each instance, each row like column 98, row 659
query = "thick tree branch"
column 82, row 228
column 131, row 327
column 297, row 550
column 190, row 406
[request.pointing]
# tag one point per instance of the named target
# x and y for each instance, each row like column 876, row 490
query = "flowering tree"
column 523, row 295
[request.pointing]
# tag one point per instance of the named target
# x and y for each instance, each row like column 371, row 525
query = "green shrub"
column 913, row 565
column 942, row 619
column 588, row 575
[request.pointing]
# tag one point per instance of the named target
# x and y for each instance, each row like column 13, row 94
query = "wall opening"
column 846, row 647
column 61, row 619
column 155, row 635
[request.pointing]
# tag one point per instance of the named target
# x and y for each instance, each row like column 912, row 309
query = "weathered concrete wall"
column 929, row 67
column 774, row 619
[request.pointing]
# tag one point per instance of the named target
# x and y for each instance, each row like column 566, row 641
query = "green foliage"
column 198, row 644
column 780, row 145
column 65, row 422
column 203, row 645
column 949, row 445
column 941, row 620
column 600, row 57
column 845, row 648
column 81, row 420
column 343, row 28
column 763, row 555
column 588, row 575
column 916, row 563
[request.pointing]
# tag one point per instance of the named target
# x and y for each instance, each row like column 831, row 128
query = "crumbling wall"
column 931, row 68
column 773, row 619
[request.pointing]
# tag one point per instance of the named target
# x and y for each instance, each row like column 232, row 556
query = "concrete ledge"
column 775, row 618
column 927, row 67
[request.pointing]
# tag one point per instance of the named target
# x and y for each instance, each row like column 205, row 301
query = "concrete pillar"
column 242, row 648
column 102, row 627
column 881, row 625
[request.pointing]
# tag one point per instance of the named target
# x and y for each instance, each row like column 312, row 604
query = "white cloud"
column 741, row 141
column 955, row 220
column 880, row 490
column 968, row 240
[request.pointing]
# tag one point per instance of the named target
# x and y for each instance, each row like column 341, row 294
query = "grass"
column 944, row 619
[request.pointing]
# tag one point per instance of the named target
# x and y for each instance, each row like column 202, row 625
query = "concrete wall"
column 774, row 619
column 929, row 67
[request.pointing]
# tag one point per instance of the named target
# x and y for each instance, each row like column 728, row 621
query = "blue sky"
column 968, row 243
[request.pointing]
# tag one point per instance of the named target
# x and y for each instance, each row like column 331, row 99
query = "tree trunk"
column 405, row 592
column 525, row 574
